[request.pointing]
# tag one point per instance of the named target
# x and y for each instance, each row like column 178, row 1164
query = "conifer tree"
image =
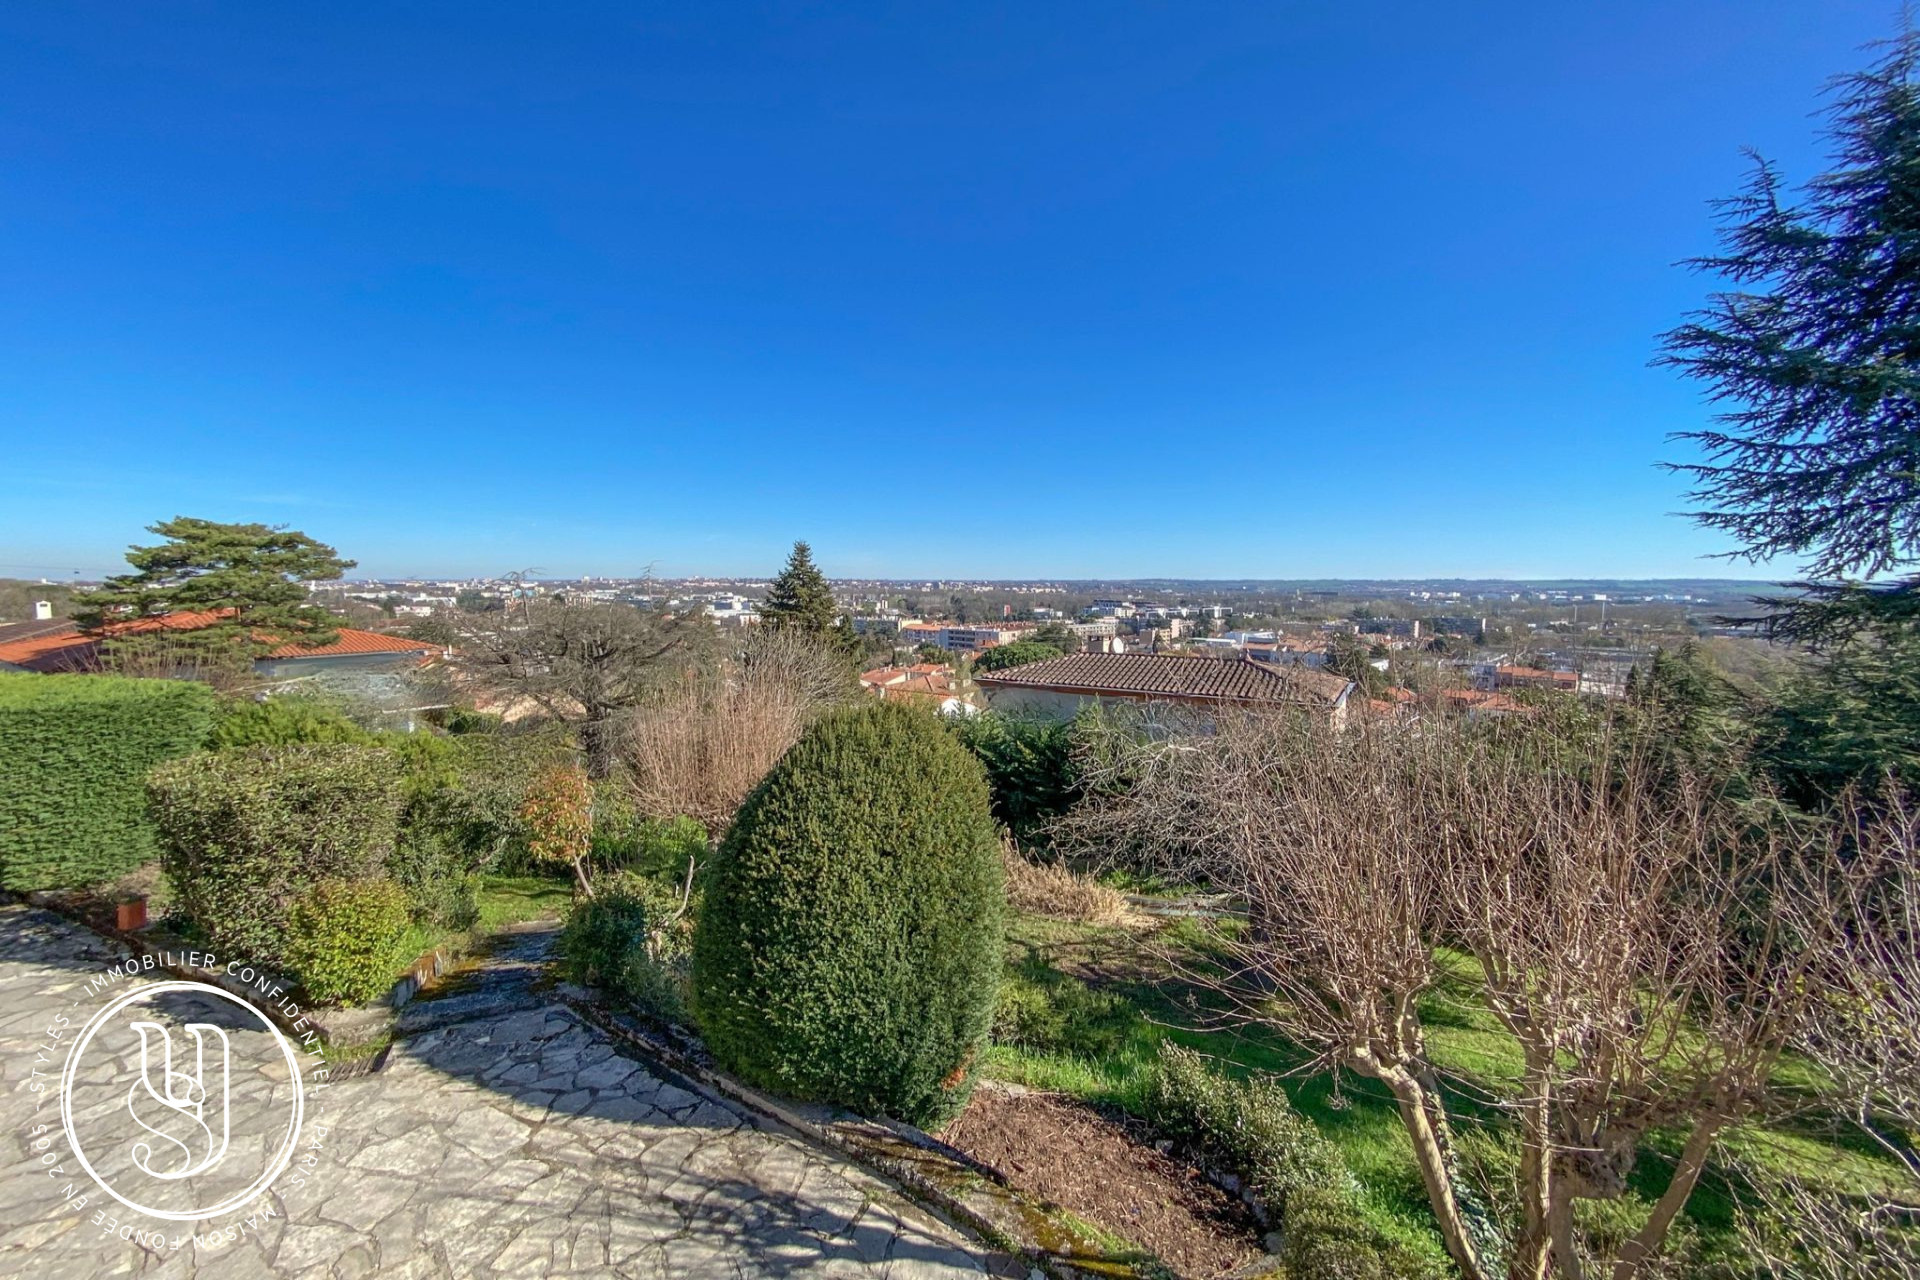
column 252, row 577
column 1813, row 350
column 800, row 599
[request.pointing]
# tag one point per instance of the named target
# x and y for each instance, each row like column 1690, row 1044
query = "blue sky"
column 1075, row 289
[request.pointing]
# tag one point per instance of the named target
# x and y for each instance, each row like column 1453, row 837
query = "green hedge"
column 283, row 721
column 74, row 755
column 248, row 833
column 849, row 946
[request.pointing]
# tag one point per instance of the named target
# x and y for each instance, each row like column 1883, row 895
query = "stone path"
column 503, row 1138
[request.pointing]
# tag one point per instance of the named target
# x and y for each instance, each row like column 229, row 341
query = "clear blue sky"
column 1066, row 289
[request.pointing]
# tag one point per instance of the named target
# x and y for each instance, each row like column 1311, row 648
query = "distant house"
column 1474, row 703
column 58, row 647
column 1058, row 688
column 925, row 683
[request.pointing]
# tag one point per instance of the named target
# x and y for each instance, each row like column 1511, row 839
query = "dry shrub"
column 699, row 745
column 1050, row 889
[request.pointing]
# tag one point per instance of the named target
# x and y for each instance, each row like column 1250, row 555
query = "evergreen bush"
column 1247, row 1127
column 346, row 939
column 631, row 939
column 248, row 833
column 1326, row 1237
column 849, row 946
column 74, row 753
column 279, row 722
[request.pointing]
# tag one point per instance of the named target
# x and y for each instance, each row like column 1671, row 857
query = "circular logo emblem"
column 182, row 1100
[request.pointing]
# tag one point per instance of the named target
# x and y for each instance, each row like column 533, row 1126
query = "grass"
column 504, row 900
column 1357, row 1114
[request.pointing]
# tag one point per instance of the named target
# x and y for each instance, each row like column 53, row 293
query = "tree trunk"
column 1560, row 1223
column 1532, row 1254
column 596, row 739
column 1686, row 1172
column 1426, row 1123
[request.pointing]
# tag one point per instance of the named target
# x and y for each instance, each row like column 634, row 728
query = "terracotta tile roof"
column 1482, row 700
column 69, row 649
column 1174, row 676
column 1535, row 675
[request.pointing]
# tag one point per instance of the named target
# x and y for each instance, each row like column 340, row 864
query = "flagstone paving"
column 504, row 1137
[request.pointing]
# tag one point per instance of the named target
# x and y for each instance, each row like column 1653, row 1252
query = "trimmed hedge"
column 248, row 833
column 346, row 939
column 74, row 755
column 283, row 721
column 849, row 946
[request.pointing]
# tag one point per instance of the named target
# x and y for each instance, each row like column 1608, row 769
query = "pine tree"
column 800, row 598
column 253, row 577
column 1814, row 350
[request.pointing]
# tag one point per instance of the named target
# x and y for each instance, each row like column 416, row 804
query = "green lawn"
column 504, row 900
column 1359, row 1116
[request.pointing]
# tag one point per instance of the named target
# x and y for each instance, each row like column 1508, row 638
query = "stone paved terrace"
column 504, row 1138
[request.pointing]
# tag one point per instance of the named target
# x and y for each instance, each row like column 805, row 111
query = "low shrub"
column 248, row 833
column 1326, row 1237
column 1250, row 1129
column 1247, row 1127
column 850, row 945
column 74, row 754
column 465, row 793
column 438, row 876
column 345, row 939
column 1043, row 1009
column 461, row 720
column 634, row 939
column 280, row 722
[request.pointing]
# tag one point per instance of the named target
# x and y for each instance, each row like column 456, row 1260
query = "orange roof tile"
column 71, row 649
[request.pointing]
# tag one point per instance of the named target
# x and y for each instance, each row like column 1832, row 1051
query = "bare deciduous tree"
column 1632, row 940
column 1865, row 1032
column 582, row 663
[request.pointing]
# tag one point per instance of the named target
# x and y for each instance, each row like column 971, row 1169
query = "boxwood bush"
column 346, row 939
column 248, row 833
column 849, row 946
column 74, row 752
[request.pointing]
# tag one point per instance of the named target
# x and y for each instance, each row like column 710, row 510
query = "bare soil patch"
column 1068, row 1154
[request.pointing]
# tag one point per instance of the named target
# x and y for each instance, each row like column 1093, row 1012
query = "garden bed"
column 1068, row 1154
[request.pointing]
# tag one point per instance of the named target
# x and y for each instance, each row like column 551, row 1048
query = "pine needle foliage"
column 1813, row 348
column 850, row 944
column 800, row 598
column 253, row 577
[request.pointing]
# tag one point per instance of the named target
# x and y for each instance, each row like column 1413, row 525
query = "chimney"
column 43, row 611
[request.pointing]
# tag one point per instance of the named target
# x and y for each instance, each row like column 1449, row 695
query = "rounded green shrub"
column 849, row 946
column 632, row 939
column 247, row 833
column 346, row 939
